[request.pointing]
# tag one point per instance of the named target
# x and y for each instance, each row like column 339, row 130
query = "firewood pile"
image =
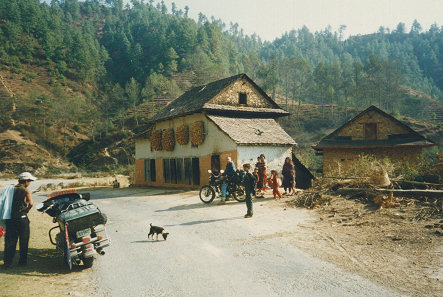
column 197, row 132
column 421, row 205
column 156, row 140
column 386, row 201
column 182, row 134
column 168, row 140
column 309, row 200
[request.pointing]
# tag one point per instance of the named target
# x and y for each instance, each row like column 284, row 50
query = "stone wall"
column 338, row 162
column 230, row 96
column 386, row 126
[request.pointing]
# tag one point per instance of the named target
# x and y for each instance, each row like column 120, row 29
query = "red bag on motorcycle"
column 2, row 231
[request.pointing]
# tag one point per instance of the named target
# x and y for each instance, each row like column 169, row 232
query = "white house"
column 197, row 131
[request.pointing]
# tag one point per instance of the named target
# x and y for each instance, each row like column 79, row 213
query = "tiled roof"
column 253, row 131
column 411, row 138
column 219, row 107
column 408, row 140
column 195, row 100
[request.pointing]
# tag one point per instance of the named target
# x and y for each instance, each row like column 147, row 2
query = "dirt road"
column 212, row 250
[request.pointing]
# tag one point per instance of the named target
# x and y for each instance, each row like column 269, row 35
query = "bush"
column 76, row 128
column 29, row 76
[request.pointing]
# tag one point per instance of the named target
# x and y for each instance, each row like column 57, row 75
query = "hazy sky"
column 271, row 18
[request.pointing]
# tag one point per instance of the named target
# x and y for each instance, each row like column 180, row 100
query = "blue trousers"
column 224, row 189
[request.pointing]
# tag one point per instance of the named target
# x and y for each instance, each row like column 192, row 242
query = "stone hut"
column 197, row 131
column 372, row 132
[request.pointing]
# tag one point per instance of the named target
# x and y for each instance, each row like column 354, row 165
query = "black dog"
column 157, row 230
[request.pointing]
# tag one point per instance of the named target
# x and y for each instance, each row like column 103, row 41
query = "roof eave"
column 175, row 116
column 264, row 144
column 316, row 147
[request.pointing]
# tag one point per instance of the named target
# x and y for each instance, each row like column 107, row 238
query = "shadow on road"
column 41, row 263
column 197, row 205
column 205, row 221
column 109, row 193
column 148, row 241
column 213, row 204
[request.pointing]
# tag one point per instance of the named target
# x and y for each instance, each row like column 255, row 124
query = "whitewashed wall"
column 215, row 141
column 275, row 155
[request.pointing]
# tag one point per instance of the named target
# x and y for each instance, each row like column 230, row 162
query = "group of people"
column 257, row 181
column 274, row 181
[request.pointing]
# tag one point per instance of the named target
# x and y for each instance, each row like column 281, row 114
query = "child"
column 249, row 183
column 255, row 174
column 275, row 183
column 292, row 182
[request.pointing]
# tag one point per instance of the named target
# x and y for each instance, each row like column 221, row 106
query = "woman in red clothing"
column 275, row 183
column 261, row 165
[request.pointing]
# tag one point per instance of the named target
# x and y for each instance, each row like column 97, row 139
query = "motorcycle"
column 81, row 226
column 235, row 188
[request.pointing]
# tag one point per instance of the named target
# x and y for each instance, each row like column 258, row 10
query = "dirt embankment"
column 17, row 154
column 400, row 246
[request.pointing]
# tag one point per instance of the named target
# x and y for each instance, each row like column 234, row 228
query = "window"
column 150, row 172
column 196, row 171
column 242, row 99
column 370, row 130
column 166, row 171
column 173, row 169
column 178, row 171
column 215, row 163
column 153, row 171
column 188, row 171
column 147, row 170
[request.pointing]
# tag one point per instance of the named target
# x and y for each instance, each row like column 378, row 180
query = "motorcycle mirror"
column 222, row 171
column 209, row 171
column 40, row 206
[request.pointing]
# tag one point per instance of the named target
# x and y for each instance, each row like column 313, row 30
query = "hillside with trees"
column 85, row 74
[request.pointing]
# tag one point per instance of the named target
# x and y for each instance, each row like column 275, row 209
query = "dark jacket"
column 230, row 169
column 249, row 181
column 287, row 167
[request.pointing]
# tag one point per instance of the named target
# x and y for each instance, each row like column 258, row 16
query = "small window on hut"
column 242, row 99
column 370, row 131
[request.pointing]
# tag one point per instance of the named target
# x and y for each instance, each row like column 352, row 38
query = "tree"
column 415, row 28
column 401, row 28
column 171, row 66
column 133, row 92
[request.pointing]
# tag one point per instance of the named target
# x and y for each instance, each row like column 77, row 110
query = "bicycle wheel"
column 207, row 194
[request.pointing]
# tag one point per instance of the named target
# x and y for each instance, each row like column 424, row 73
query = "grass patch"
column 45, row 270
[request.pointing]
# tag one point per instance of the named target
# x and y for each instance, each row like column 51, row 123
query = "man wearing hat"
column 17, row 226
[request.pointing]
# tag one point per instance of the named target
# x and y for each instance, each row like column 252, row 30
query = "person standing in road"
column 287, row 177
column 262, row 181
column 17, row 227
column 228, row 174
column 249, row 183
column 275, row 183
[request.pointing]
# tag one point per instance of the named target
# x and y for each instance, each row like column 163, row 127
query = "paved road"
column 212, row 251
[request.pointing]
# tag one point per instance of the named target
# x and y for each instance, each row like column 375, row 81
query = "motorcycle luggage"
column 81, row 215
